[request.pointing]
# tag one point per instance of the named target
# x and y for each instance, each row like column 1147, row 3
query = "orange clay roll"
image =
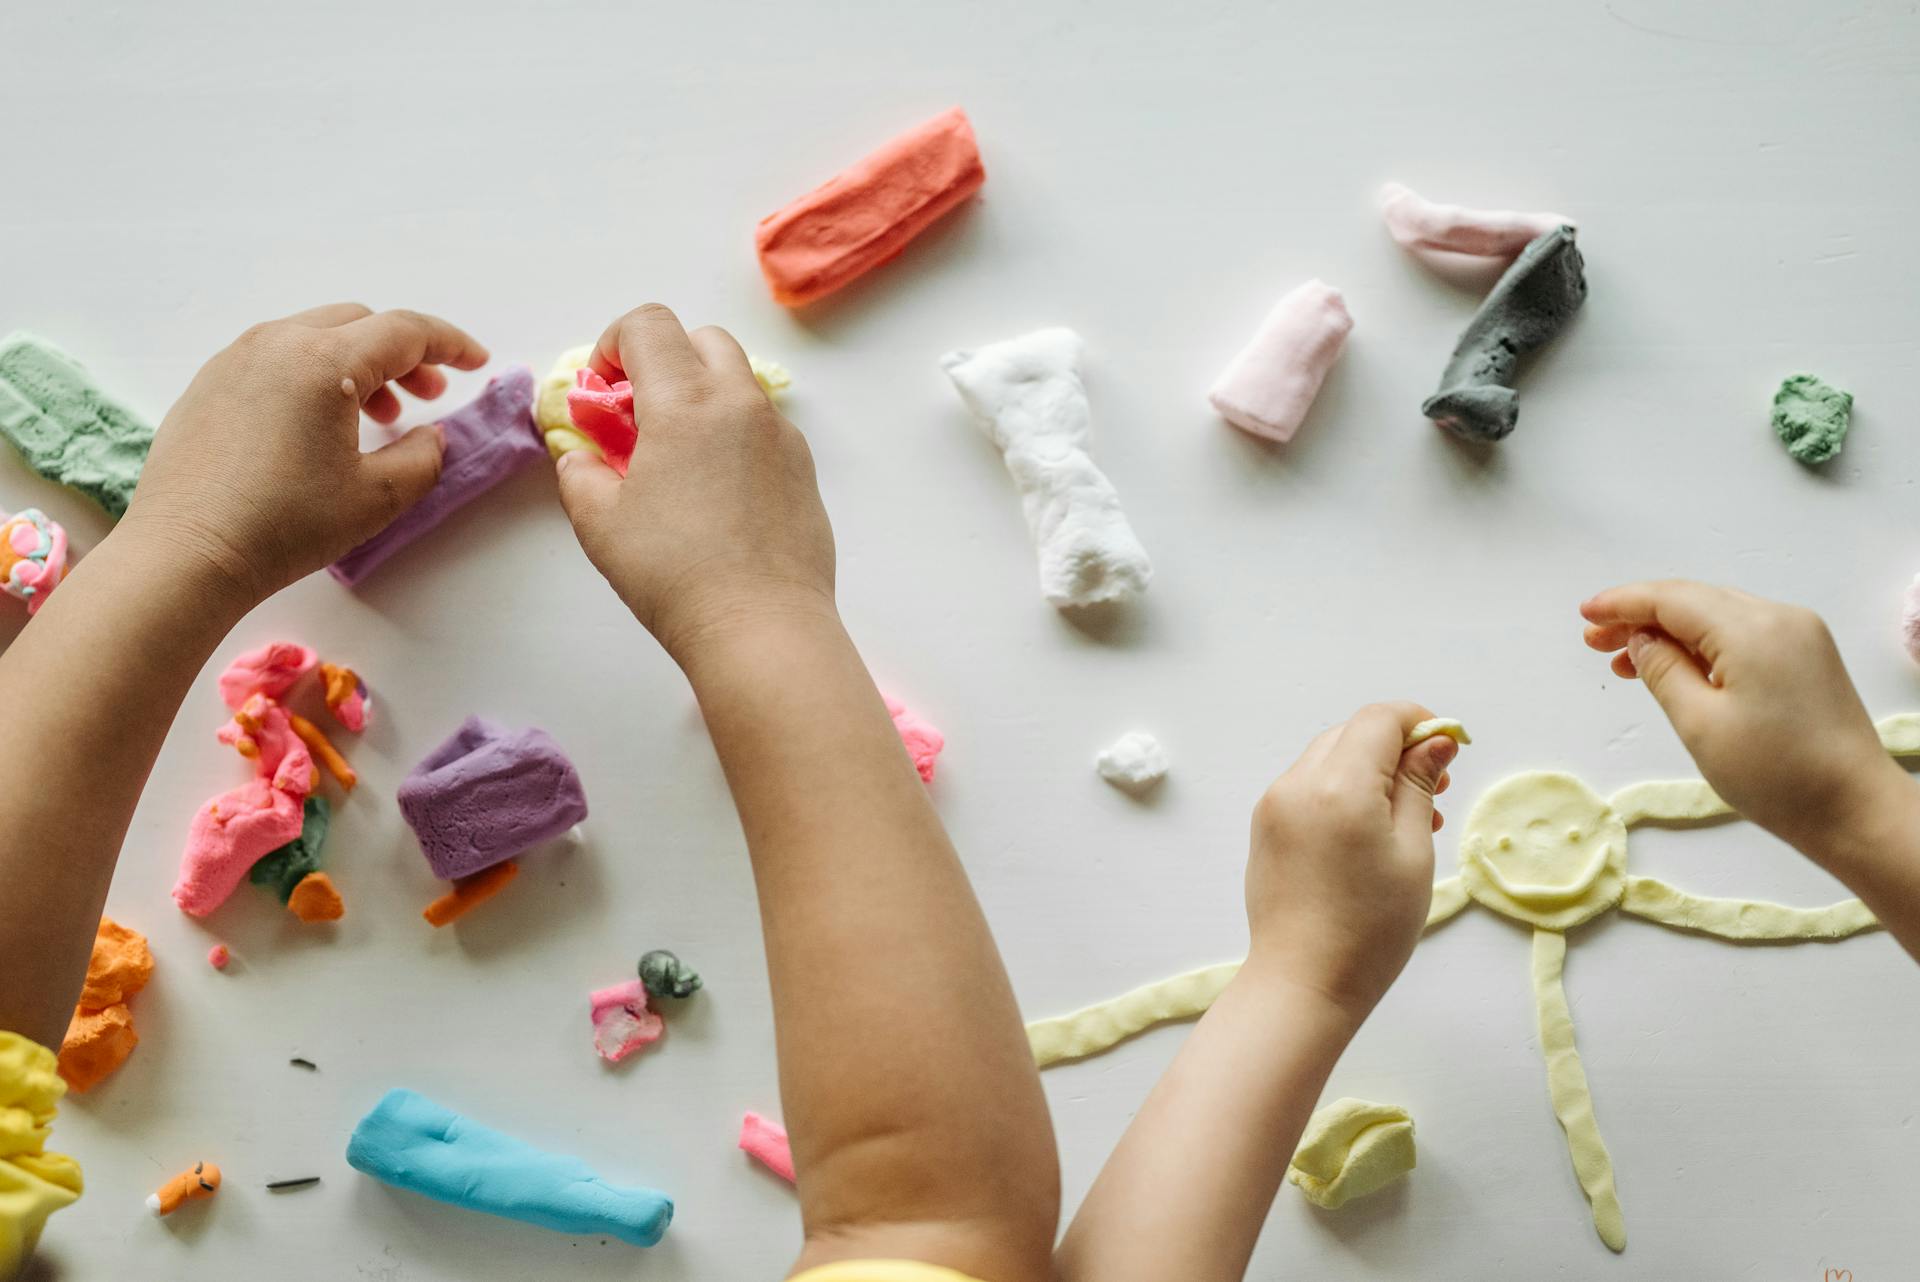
column 322, row 748
column 469, row 893
column 188, row 1186
column 316, row 899
column 866, row 214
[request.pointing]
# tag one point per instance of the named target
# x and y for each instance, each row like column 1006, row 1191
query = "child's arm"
column 919, row 1128
column 1338, row 887
column 255, row 478
column 1758, row 693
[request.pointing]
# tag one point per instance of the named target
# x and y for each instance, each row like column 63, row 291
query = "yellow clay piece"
column 1668, row 801
column 1743, row 918
column 1097, row 1028
column 1437, row 725
column 1567, row 1085
column 1544, row 849
column 1351, row 1148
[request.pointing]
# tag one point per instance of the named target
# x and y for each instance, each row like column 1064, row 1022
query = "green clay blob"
column 1810, row 417
column 283, row 869
column 664, row 975
column 67, row 428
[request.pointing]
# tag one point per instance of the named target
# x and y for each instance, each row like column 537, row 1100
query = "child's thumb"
column 1419, row 777
column 401, row 472
column 1666, row 669
column 587, row 488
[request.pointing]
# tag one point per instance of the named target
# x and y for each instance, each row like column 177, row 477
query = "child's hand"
column 1341, row 873
column 1757, row 692
column 718, row 521
column 257, row 471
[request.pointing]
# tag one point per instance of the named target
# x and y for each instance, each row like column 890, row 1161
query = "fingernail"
column 1445, row 749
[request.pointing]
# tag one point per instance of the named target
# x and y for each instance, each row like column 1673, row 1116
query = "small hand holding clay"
column 718, row 518
column 1341, row 871
column 257, row 469
column 1757, row 691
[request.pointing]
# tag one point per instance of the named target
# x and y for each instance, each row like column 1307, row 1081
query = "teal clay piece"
column 1811, row 417
column 664, row 975
column 283, row 869
column 66, row 427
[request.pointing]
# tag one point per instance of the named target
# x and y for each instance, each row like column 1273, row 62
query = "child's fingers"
column 382, row 406
column 649, row 348
column 1606, row 637
column 1671, row 672
column 382, row 347
column 425, row 382
column 1417, row 781
column 721, row 352
column 588, row 489
column 399, row 474
column 1693, row 614
column 328, row 315
column 1376, row 735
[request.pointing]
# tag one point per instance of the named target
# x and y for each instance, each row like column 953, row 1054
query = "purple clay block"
column 488, row 440
column 487, row 794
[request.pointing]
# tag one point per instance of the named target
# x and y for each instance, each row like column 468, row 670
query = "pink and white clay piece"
column 1267, row 389
column 604, row 414
column 33, row 557
column 1910, row 619
column 230, row 833
column 218, row 956
column 922, row 740
column 622, row 1024
column 766, row 1142
column 1419, row 223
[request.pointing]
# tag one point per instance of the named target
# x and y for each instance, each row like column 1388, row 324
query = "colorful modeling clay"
column 233, row 831
column 1351, row 1148
column 772, row 377
column 282, row 869
column 1134, row 762
column 1527, row 307
column 1268, row 387
column 664, row 975
column 1811, row 418
column 866, row 214
column 1437, row 726
column 316, row 899
column 604, row 415
column 100, row 1035
column 412, row 1143
column 922, row 740
column 622, row 1021
column 33, row 1182
column 188, row 1186
column 1419, row 223
column 67, row 428
column 469, row 893
column 550, row 403
column 346, row 696
column 487, row 794
column 323, row 750
column 271, row 670
column 766, row 1142
column 33, row 557
column 218, row 956
column 487, row 441
column 1026, row 395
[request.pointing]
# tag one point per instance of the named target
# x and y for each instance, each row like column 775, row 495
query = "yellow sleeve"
column 33, row 1182
column 880, row 1271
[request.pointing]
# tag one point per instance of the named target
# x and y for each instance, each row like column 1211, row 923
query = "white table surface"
column 1746, row 188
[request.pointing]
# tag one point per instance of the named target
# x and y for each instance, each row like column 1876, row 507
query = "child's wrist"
column 748, row 630
column 1283, row 979
column 1882, row 822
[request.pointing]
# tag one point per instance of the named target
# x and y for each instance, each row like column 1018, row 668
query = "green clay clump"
column 66, row 427
column 283, row 869
column 1811, row 417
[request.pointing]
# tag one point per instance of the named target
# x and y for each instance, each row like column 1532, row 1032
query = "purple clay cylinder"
column 488, row 440
column 487, row 794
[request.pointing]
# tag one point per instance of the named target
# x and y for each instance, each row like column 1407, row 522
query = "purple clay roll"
column 487, row 441
column 487, row 794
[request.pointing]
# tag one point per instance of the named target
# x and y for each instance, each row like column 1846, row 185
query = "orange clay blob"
column 315, row 899
column 188, row 1186
column 323, row 750
column 469, row 893
column 865, row 215
column 100, row 1036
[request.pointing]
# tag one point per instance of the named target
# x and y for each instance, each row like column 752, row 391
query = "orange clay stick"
column 318, row 744
column 470, row 892
column 316, row 899
column 202, row 1181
